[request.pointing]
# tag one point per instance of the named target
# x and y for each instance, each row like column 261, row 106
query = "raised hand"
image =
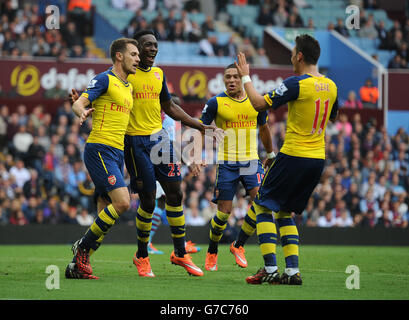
column 74, row 95
column 242, row 65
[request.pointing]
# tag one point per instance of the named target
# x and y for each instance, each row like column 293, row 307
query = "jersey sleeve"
column 164, row 94
column 334, row 111
column 96, row 87
column 209, row 111
column 262, row 118
column 287, row 91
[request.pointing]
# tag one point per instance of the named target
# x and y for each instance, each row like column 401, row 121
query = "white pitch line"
column 223, row 266
column 220, row 265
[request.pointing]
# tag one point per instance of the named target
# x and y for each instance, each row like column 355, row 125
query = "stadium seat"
column 257, row 32
column 245, row 23
column 384, row 56
column 233, row 10
column 249, row 11
column 356, row 41
column 197, row 60
column 368, row 44
column 212, row 61
column 223, row 37
column 197, row 17
column 150, row 15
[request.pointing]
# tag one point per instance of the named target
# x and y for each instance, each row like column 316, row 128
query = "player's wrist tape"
column 245, row 79
column 271, row 155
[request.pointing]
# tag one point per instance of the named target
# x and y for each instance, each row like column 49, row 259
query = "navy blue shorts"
column 250, row 174
column 105, row 165
column 289, row 183
column 150, row 158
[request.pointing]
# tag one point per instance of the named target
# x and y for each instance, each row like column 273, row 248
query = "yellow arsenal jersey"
column 311, row 102
column 112, row 100
column 239, row 120
column 149, row 91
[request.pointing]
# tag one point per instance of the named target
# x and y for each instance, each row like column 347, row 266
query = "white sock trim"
column 291, row 271
column 271, row 269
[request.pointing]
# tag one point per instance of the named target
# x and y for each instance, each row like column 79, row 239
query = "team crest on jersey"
column 112, row 179
column 157, row 75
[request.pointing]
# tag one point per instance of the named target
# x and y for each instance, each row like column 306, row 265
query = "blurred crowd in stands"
column 43, row 178
column 23, row 31
column 280, row 13
column 179, row 27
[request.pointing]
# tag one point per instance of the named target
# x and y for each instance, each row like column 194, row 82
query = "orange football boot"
column 187, row 263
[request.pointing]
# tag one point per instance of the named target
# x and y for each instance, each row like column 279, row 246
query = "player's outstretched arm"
column 256, row 99
column 177, row 113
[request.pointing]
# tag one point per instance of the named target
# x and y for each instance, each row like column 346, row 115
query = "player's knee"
column 148, row 201
column 150, row 207
column 225, row 207
column 148, row 204
column 122, row 205
column 174, row 198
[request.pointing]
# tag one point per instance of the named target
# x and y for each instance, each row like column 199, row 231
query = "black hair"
column 309, row 47
column 230, row 66
column 142, row 33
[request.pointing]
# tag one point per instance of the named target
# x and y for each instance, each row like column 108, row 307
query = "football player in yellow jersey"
column 143, row 136
column 238, row 160
column 290, row 181
column 110, row 96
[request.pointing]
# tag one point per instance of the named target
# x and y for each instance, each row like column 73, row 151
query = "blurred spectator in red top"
column 16, row 215
column 240, row 2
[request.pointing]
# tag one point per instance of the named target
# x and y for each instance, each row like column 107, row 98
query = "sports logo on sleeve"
column 281, row 89
column 205, row 108
column 92, row 84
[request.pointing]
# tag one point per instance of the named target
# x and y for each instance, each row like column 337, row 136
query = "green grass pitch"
column 383, row 275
